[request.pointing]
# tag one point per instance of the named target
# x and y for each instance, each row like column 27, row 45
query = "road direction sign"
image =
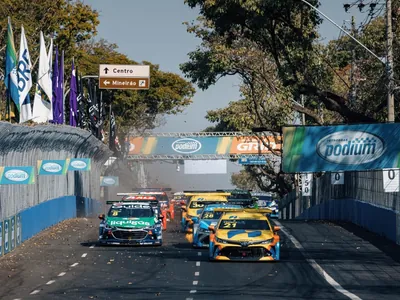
column 124, row 77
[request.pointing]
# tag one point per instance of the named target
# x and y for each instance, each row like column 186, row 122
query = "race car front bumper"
column 257, row 252
column 120, row 236
column 201, row 240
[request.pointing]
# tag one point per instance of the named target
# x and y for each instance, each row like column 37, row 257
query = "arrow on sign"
column 106, row 82
column 106, row 70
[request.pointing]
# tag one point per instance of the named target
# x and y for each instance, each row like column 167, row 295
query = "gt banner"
column 109, row 181
column 203, row 145
column 78, row 164
column 52, row 167
column 306, row 184
column 17, row 175
column 344, row 147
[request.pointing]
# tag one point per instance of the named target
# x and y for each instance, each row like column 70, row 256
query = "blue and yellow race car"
column 201, row 233
column 245, row 234
column 196, row 204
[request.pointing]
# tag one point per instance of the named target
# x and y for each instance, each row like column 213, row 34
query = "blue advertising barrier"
column 52, row 167
column 79, row 164
column 6, row 236
column 17, row 175
column 12, row 233
column 341, row 148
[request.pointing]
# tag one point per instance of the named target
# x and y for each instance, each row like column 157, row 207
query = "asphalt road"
column 65, row 263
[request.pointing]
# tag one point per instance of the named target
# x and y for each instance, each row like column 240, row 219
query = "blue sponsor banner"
column 341, row 148
column 6, row 237
column 18, row 229
column 17, row 175
column 256, row 160
column 52, row 167
column 79, row 164
column 109, row 181
column 12, row 233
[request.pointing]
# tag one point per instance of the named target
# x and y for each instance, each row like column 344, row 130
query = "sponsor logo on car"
column 351, row 147
column 16, row 175
column 52, row 167
column 128, row 222
column 186, row 146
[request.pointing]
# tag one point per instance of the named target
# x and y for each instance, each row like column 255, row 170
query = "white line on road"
column 74, row 265
column 317, row 267
column 84, row 254
column 199, row 253
column 35, row 292
column 197, row 264
column 50, row 282
column 193, row 291
column 195, row 282
column 91, row 247
column 196, row 273
column 61, row 274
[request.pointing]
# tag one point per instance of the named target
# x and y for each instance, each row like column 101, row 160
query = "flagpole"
column 63, row 88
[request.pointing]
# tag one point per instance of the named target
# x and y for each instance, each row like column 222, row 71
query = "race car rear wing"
column 137, row 201
column 151, row 189
column 202, row 191
column 127, row 194
column 250, row 210
column 208, row 194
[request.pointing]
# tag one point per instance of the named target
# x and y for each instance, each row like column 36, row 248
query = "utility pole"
column 353, row 81
column 389, row 61
column 303, row 115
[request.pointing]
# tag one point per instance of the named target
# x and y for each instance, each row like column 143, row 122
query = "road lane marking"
column 193, row 291
column 84, row 254
column 61, row 274
column 189, row 298
column 197, row 264
column 195, row 282
column 196, row 273
column 317, row 267
column 50, row 282
column 74, row 265
column 91, row 247
column 199, row 253
column 35, row 292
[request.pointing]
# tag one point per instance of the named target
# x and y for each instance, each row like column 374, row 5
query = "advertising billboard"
column 17, row 175
column 52, row 167
column 79, row 164
column 341, row 148
column 202, row 145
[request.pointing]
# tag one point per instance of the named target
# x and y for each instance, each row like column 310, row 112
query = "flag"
column 73, row 98
column 42, row 106
column 93, row 108
column 82, row 115
column 60, row 91
column 56, row 82
column 24, row 79
column 112, row 134
column 11, row 77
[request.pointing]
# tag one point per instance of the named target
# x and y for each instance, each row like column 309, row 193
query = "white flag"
column 24, row 79
column 42, row 106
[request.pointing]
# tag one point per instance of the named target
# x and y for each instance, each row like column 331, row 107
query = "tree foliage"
column 73, row 25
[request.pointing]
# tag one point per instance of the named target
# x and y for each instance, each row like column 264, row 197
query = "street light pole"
column 389, row 61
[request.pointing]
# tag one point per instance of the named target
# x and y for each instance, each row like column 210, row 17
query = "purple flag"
column 55, row 89
column 73, row 95
column 60, row 91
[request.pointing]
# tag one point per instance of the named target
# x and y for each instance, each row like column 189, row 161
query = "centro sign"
column 52, row 167
column 16, row 175
column 78, row 164
column 186, row 146
column 351, row 147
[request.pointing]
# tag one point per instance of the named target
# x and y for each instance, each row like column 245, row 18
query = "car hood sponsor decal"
column 130, row 223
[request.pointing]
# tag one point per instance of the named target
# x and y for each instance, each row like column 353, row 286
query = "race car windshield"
column 201, row 204
column 244, row 224
column 207, row 215
column 124, row 212
column 239, row 196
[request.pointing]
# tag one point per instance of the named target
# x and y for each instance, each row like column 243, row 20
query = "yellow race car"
column 196, row 203
column 244, row 234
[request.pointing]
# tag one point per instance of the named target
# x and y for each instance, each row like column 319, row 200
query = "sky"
column 152, row 30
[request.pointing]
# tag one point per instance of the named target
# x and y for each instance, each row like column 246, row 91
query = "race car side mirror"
column 102, row 216
column 277, row 228
column 211, row 228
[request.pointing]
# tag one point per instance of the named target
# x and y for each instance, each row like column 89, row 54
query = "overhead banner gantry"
column 204, row 145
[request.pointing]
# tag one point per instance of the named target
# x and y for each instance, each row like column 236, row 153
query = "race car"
column 245, row 234
column 240, row 197
column 130, row 223
column 198, row 200
column 162, row 197
column 264, row 200
column 201, row 233
column 179, row 199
